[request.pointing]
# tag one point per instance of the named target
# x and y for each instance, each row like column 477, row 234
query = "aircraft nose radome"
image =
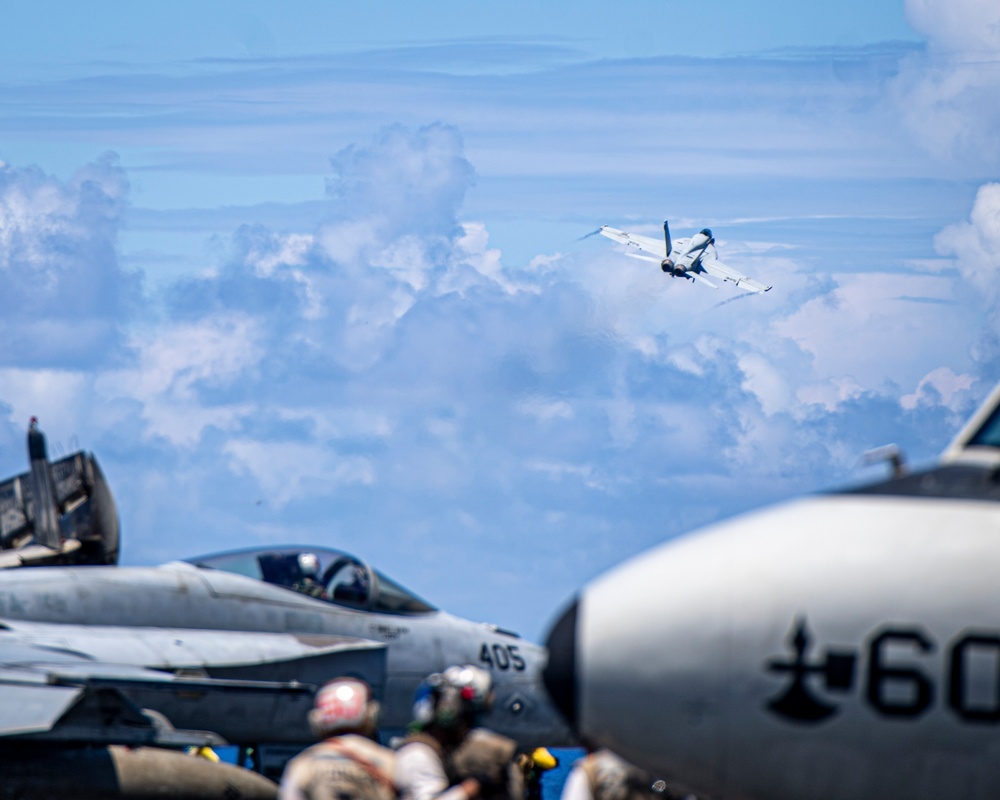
column 559, row 675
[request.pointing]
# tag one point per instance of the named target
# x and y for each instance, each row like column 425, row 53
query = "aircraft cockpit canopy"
column 979, row 440
column 338, row 578
column 989, row 434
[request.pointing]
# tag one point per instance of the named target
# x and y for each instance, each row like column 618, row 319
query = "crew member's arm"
column 420, row 776
column 291, row 781
column 577, row 786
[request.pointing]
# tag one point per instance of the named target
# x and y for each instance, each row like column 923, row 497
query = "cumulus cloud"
column 65, row 298
column 949, row 95
column 975, row 245
column 404, row 181
column 184, row 375
column 965, row 26
column 940, row 387
column 287, row 471
column 385, row 381
column 854, row 333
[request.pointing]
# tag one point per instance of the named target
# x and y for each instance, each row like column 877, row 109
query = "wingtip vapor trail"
column 733, row 300
column 587, row 236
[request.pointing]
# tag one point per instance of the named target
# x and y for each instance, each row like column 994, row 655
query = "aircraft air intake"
column 559, row 675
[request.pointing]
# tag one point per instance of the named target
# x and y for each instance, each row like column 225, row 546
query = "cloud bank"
column 369, row 371
column 384, row 382
column 949, row 94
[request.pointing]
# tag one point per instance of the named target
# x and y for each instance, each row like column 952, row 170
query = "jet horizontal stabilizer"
column 643, row 258
column 703, row 279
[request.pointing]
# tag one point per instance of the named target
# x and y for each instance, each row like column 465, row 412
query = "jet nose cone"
column 560, row 672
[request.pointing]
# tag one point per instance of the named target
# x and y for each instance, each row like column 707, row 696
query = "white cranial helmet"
column 344, row 705
column 308, row 564
column 474, row 685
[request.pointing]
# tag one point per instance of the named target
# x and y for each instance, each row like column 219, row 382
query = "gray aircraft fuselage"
column 182, row 596
column 836, row 647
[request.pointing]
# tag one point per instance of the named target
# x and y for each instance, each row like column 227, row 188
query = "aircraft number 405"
column 502, row 657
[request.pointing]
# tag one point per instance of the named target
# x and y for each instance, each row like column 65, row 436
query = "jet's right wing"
column 716, row 268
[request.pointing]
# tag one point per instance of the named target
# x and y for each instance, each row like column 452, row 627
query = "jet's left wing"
column 634, row 242
column 717, row 269
column 108, row 685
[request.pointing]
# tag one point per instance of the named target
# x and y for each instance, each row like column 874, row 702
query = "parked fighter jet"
column 839, row 646
column 224, row 647
column 131, row 615
column 693, row 257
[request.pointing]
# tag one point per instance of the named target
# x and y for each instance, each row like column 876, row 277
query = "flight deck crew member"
column 602, row 775
column 447, row 757
column 347, row 764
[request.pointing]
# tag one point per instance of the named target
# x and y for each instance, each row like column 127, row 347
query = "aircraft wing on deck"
column 105, row 685
column 717, row 269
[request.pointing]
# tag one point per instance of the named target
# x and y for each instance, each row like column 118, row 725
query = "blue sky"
column 314, row 273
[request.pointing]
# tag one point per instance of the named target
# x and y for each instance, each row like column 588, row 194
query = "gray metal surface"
column 117, row 615
column 57, row 513
column 835, row 647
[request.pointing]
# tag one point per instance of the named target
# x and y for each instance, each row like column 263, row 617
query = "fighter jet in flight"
column 695, row 258
column 845, row 645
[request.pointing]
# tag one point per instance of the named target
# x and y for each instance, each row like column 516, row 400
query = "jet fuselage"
column 183, row 596
column 836, row 647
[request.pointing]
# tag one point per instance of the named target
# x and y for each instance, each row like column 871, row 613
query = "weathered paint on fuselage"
column 835, row 647
column 179, row 595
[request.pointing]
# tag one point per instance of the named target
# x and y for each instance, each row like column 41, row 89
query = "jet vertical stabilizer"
column 43, row 493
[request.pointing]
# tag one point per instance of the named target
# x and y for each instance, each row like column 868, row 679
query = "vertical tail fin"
column 43, row 493
column 666, row 237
